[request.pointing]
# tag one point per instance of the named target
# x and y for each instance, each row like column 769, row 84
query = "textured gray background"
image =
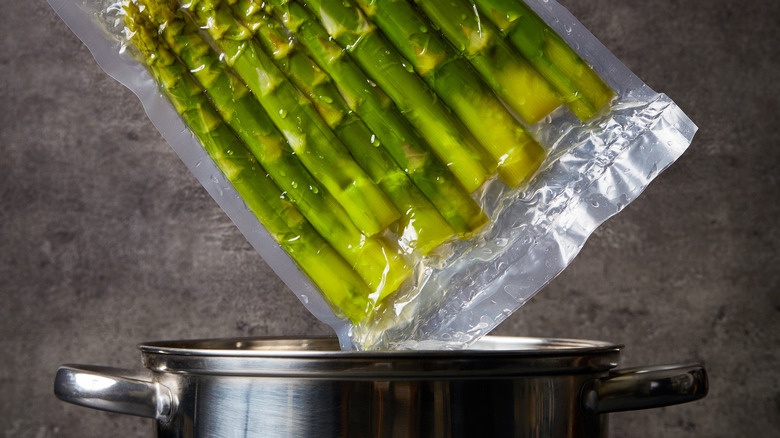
column 106, row 240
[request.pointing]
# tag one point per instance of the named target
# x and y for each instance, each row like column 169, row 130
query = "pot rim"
column 320, row 357
column 328, row 346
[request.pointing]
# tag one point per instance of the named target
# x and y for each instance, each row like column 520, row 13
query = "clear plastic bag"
column 466, row 286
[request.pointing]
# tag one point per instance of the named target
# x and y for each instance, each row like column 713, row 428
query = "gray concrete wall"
column 106, row 240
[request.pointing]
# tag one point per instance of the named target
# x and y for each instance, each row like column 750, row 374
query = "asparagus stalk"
column 306, row 75
column 308, row 134
column 506, row 140
column 454, row 145
column 405, row 145
column 421, row 227
column 508, row 74
column 582, row 89
column 336, row 279
column 375, row 259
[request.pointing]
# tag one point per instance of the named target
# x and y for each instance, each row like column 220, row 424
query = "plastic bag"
column 465, row 286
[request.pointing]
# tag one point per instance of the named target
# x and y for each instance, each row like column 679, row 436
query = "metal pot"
column 268, row 387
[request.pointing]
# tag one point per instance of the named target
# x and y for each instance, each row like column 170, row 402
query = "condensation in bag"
column 592, row 171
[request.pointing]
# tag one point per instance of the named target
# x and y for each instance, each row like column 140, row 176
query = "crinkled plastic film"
column 465, row 288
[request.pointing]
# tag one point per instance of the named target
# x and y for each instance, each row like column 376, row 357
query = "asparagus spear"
column 421, row 227
column 506, row 140
column 454, row 145
column 375, row 259
column 335, row 278
column 582, row 89
column 405, row 145
column 316, row 145
column 508, row 74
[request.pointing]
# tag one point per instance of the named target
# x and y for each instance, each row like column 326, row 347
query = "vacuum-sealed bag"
column 413, row 170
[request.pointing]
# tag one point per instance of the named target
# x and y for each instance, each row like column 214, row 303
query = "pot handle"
column 645, row 387
column 114, row 390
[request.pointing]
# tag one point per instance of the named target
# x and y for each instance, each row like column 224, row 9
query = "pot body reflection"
column 531, row 406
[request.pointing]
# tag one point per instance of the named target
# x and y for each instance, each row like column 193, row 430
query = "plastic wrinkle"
column 467, row 287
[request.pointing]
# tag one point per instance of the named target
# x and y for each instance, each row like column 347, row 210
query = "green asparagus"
column 453, row 144
column 306, row 75
column 506, row 140
column 370, row 256
column 308, row 134
column 409, row 151
column 583, row 90
column 421, row 227
column 336, row 279
column 508, row 74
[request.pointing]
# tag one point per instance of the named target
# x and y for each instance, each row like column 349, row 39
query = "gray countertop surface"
column 107, row 240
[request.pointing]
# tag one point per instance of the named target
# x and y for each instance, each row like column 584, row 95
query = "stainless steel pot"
column 268, row 387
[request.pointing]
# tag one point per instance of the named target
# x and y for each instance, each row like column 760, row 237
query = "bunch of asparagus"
column 357, row 133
